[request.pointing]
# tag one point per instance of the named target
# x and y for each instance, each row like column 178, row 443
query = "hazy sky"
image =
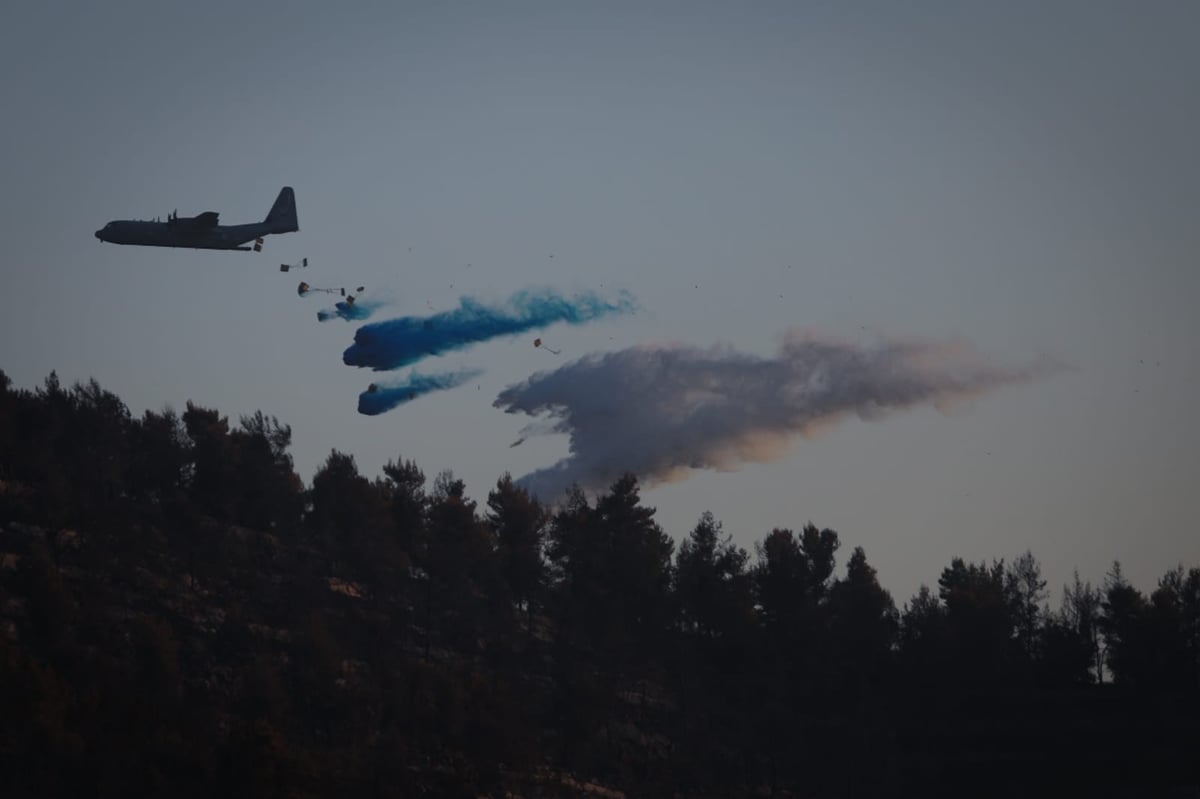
column 1020, row 176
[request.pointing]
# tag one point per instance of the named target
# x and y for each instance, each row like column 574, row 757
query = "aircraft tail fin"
column 282, row 217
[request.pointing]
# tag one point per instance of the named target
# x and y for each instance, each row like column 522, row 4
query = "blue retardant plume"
column 351, row 312
column 380, row 398
column 400, row 342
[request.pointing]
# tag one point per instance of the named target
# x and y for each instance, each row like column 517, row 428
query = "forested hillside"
column 180, row 615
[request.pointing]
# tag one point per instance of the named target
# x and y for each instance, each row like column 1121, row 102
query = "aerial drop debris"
column 350, row 309
column 304, row 290
column 537, row 342
column 301, row 264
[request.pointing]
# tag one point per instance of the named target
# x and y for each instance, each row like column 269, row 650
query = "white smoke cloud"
column 660, row 411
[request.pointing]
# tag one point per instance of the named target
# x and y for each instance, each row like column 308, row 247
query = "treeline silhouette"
column 181, row 616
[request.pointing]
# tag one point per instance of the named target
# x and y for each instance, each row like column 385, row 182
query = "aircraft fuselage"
column 178, row 234
column 202, row 232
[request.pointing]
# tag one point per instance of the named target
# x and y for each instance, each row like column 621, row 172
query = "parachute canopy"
column 537, row 342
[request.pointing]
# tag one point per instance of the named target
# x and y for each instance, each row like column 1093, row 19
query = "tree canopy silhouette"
column 181, row 615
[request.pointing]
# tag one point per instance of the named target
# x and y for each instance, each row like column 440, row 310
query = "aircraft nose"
column 98, row 232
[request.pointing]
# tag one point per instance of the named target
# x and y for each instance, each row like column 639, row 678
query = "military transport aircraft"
column 202, row 232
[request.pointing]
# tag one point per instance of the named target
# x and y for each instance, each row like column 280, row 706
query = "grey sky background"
column 1022, row 176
